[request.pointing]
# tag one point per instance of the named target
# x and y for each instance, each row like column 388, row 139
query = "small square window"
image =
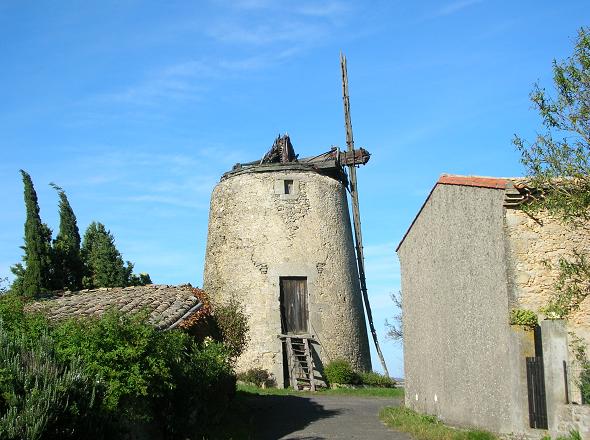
column 288, row 186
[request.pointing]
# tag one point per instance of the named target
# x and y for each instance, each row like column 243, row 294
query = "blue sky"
column 137, row 108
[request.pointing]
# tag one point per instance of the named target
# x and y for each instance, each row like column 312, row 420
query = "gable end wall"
column 457, row 340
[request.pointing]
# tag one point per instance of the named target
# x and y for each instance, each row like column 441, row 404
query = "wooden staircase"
column 300, row 362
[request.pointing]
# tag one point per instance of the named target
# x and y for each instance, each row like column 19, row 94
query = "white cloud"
column 300, row 32
column 329, row 9
column 190, row 80
column 451, row 8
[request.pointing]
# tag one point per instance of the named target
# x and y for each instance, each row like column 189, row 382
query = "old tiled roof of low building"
column 167, row 306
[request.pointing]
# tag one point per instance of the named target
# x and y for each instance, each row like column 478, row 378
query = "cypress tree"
column 103, row 262
column 68, row 265
column 34, row 277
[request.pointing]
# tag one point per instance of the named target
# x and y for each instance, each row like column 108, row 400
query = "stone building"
column 469, row 257
column 280, row 242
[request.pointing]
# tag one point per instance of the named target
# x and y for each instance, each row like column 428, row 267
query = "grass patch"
column 358, row 392
column 425, row 427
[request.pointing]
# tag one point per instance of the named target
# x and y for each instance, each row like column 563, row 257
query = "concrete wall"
column 463, row 362
column 258, row 234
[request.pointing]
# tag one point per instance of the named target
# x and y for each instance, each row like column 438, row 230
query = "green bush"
column 585, row 385
column 232, row 325
column 41, row 397
column 573, row 435
column 204, row 386
column 258, row 377
column 524, row 317
column 373, row 379
column 339, row 371
column 129, row 357
column 138, row 375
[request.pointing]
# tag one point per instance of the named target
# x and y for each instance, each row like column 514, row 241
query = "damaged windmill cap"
column 282, row 157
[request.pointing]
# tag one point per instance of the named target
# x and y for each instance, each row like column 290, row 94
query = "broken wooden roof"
column 167, row 306
column 281, row 156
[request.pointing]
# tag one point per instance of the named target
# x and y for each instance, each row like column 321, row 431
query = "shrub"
column 41, row 397
column 585, row 385
column 204, row 385
column 258, row 377
column 232, row 325
column 129, row 357
column 376, row 380
column 573, row 435
column 339, row 371
column 125, row 372
column 524, row 317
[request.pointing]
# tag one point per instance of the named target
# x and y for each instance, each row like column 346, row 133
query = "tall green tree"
column 103, row 262
column 68, row 265
column 34, row 277
column 558, row 165
column 558, row 160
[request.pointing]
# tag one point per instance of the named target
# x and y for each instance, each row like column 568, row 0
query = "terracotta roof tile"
column 477, row 181
column 166, row 305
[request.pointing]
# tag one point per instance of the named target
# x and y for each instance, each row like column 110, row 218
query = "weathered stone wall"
column 574, row 417
column 462, row 360
column 535, row 247
column 258, row 234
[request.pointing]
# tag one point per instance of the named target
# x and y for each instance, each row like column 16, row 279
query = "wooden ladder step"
column 300, row 362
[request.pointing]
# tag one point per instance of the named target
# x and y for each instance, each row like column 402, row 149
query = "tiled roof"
column 167, row 306
column 477, row 181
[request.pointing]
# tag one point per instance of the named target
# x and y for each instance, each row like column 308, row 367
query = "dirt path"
column 321, row 417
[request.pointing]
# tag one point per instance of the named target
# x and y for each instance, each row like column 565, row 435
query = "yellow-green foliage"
column 571, row 288
column 373, row 379
column 524, row 317
column 573, row 435
column 339, row 371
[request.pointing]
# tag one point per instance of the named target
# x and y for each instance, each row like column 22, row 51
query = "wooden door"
column 294, row 313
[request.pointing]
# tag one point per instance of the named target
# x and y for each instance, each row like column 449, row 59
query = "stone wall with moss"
column 535, row 246
column 257, row 234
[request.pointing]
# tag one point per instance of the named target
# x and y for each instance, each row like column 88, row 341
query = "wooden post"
column 360, row 259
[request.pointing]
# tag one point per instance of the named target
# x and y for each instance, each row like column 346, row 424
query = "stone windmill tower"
column 280, row 241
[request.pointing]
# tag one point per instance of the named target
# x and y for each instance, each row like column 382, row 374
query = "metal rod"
column 567, row 393
column 360, row 259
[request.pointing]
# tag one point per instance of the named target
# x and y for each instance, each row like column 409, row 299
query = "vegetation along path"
column 320, row 416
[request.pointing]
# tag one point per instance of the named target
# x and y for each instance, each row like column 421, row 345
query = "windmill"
column 358, row 238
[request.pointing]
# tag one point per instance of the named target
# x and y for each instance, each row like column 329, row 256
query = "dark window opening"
column 288, row 186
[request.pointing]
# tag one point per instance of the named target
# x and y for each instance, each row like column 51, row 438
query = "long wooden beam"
column 360, row 259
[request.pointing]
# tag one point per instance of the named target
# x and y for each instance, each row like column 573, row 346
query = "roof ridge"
column 475, row 181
